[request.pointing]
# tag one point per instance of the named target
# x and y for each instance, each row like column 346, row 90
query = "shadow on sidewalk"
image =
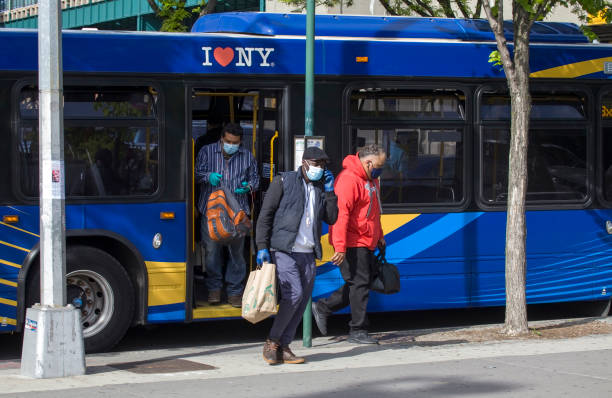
column 112, row 367
column 405, row 342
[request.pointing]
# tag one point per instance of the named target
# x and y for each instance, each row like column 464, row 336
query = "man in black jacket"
column 289, row 225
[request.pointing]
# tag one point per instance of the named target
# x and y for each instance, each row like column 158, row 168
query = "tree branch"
column 497, row 25
column 463, row 8
column 421, row 8
column 446, row 7
column 209, row 9
column 154, row 6
column 478, row 9
column 387, row 6
column 542, row 9
column 500, row 17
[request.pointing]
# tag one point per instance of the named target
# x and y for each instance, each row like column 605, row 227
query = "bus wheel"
column 100, row 288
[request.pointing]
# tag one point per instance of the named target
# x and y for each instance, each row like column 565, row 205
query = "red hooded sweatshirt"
column 358, row 223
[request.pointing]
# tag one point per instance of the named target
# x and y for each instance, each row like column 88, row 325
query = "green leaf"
column 495, row 58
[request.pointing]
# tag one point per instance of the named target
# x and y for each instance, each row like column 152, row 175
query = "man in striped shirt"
column 225, row 163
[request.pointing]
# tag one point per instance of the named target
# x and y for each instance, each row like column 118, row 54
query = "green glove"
column 244, row 188
column 214, row 179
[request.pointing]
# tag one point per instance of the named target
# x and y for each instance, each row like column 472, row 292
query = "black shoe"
column 361, row 337
column 320, row 319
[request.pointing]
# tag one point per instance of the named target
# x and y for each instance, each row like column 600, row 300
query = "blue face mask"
column 376, row 172
column 230, row 149
column 314, row 173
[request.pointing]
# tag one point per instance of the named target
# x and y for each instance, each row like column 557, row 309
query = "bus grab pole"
column 53, row 337
column 308, row 127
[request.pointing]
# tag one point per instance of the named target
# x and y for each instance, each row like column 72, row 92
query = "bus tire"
column 101, row 289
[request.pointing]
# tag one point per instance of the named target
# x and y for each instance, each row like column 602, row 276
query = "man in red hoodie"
column 355, row 235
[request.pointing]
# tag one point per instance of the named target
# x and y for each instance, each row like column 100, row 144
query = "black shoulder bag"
column 386, row 275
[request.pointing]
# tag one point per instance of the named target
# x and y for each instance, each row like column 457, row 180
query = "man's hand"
column 263, row 256
column 245, row 188
column 329, row 181
column 338, row 258
column 214, row 179
column 382, row 243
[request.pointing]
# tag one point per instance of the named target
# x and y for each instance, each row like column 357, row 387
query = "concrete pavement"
column 531, row 368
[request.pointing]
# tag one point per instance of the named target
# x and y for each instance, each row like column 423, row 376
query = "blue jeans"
column 236, row 266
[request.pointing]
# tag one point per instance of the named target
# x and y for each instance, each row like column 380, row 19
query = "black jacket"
column 279, row 219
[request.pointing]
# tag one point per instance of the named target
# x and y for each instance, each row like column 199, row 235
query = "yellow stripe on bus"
column 205, row 310
column 576, row 69
column 19, row 229
column 10, row 263
column 14, row 246
column 9, row 283
column 7, row 321
column 167, row 282
column 8, row 302
column 389, row 223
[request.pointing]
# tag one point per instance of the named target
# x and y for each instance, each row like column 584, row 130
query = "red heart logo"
column 224, row 55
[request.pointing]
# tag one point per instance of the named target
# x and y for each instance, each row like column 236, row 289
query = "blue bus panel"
column 451, row 260
column 136, row 223
column 208, row 53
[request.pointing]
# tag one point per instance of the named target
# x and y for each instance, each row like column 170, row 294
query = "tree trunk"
column 516, row 229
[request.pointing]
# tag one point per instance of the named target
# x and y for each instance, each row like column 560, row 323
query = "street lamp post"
column 308, row 131
column 53, row 337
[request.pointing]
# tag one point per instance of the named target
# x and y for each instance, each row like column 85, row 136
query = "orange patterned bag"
column 225, row 218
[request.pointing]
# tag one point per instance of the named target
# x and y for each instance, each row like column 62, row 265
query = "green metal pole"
column 308, row 127
column 262, row 5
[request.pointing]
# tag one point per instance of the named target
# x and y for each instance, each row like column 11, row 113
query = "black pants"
column 356, row 272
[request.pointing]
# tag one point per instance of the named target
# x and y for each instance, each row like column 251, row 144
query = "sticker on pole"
column 31, row 324
column 57, row 183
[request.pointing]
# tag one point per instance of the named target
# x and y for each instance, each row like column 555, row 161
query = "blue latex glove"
column 214, row 179
column 263, row 255
column 329, row 181
column 244, row 188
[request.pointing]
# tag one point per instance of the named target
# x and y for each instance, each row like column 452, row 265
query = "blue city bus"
column 138, row 106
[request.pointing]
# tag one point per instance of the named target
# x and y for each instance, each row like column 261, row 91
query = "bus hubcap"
column 92, row 295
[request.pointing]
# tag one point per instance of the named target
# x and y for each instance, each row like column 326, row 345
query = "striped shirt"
column 240, row 167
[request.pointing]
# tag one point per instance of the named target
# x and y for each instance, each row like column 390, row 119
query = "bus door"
column 258, row 111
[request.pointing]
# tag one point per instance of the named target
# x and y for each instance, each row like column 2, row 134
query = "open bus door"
column 258, row 111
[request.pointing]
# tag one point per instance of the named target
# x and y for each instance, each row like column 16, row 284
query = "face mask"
column 376, row 172
column 230, row 149
column 314, row 173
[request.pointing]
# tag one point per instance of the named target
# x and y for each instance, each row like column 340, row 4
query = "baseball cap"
column 314, row 153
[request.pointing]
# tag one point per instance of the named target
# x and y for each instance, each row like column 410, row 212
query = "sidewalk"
column 327, row 354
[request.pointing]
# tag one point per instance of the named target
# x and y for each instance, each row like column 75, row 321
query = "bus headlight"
column 157, row 240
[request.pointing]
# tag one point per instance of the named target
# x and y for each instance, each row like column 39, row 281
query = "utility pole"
column 308, row 129
column 53, row 335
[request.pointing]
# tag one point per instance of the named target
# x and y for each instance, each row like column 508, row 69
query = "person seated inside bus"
column 101, row 179
column 225, row 163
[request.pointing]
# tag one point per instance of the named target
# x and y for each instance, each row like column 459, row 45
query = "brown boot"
column 289, row 357
column 214, row 297
column 270, row 352
column 235, row 301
